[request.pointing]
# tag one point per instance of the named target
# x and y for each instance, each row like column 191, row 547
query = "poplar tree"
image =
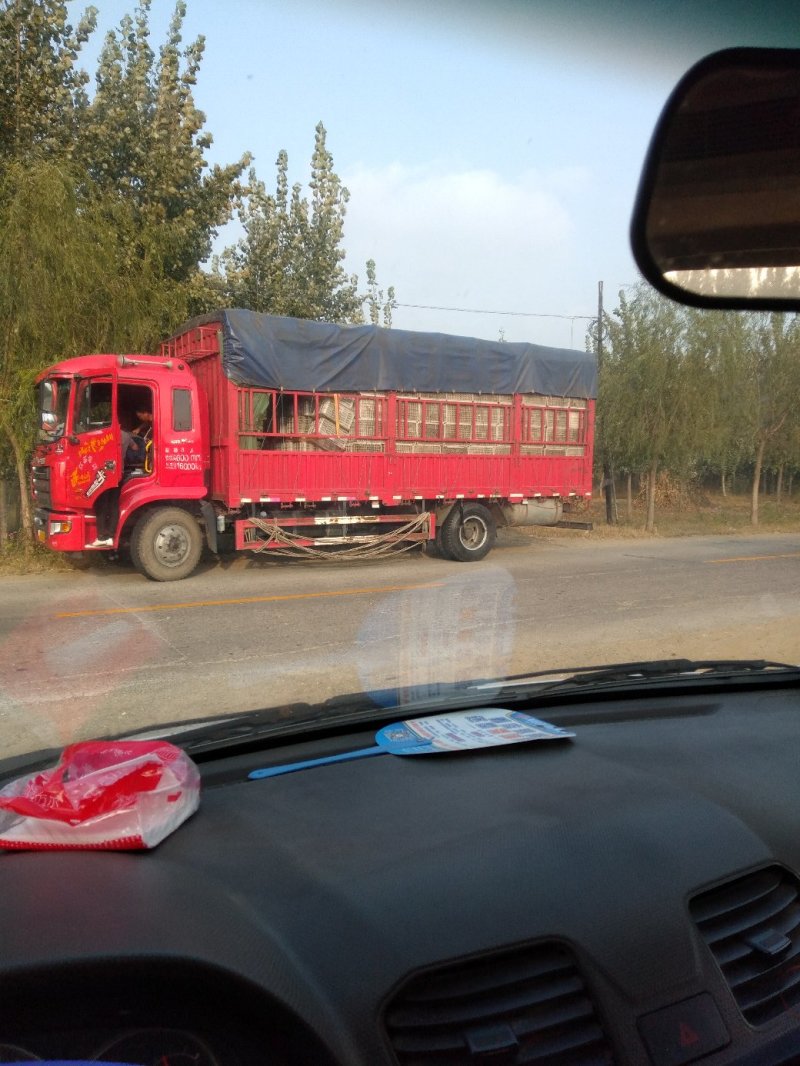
column 144, row 146
column 772, row 383
column 42, row 91
column 290, row 260
column 652, row 392
column 380, row 306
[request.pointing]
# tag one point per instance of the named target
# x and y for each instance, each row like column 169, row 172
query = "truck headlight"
column 60, row 527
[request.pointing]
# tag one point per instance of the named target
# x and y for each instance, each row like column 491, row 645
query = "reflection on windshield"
column 424, row 641
column 490, row 219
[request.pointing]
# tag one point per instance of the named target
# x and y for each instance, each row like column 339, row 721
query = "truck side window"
column 93, row 406
column 181, row 409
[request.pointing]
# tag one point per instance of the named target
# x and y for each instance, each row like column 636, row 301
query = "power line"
column 518, row 314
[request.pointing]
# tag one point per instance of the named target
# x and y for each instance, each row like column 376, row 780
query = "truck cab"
column 90, row 489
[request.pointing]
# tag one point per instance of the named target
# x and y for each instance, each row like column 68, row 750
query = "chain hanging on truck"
column 283, row 542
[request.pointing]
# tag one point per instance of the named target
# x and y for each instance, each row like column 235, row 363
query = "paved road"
column 86, row 654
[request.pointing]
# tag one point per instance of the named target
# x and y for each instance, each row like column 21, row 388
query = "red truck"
column 256, row 432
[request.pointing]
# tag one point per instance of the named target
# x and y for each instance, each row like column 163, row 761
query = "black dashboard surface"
column 283, row 921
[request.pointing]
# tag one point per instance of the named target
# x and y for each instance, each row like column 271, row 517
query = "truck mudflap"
column 295, row 536
column 210, row 522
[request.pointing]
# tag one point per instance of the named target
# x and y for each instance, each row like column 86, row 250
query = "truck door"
column 94, row 460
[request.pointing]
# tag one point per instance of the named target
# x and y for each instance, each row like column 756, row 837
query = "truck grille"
column 40, row 482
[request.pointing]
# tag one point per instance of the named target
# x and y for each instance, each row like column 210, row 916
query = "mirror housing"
column 716, row 221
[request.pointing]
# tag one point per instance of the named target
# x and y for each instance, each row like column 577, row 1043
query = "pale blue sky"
column 492, row 149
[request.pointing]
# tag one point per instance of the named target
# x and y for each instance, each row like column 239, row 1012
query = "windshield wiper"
column 615, row 674
column 370, row 710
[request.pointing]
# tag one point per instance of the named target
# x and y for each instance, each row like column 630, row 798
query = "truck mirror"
column 717, row 215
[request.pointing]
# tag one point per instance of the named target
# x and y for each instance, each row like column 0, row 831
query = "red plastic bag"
column 114, row 795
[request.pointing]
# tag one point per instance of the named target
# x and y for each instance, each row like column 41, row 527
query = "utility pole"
column 608, row 473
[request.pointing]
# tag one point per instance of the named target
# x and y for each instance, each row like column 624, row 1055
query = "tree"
column 107, row 208
column 143, row 147
column 290, row 259
column 334, row 292
column 721, row 340
column 650, row 391
column 63, row 291
column 772, row 383
column 261, row 272
column 380, row 307
column 42, row 91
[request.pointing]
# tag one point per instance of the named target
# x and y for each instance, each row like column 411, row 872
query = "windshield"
column 53, row 396
column 383, row 412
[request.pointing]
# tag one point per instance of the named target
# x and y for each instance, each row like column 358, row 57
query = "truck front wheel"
column 166, row 544
column 468, row 533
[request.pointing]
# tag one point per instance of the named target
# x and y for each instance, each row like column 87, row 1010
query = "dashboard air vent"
column 528, row 1005
column 752, row 926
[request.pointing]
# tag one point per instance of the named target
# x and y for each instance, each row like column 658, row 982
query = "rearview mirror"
column 717, row 215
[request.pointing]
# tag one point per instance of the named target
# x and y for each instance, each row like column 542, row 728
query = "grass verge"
column 18, row 558
column 700, row 514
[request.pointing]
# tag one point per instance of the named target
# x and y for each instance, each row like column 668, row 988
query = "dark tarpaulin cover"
column 268, row 351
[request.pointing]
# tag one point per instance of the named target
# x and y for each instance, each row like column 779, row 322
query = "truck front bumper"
column 63, row 531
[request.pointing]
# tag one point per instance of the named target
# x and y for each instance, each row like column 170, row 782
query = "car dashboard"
column 630, row 896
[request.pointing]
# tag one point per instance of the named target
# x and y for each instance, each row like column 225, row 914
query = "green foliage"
column 142, row 144
column 290, row 260
column 42, row 92
column 67, row 291
column 107, row 207
column 651, row 388
column 682, row 389
column 721, row 340
column 773, row 374
column 380, row 307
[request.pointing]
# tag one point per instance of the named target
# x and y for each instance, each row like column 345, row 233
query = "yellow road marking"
column 755, row 558
column 247, row 599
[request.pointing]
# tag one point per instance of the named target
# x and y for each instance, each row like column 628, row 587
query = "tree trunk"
column 779, row 484
column 762, row 444
column 611, row 494
column 723, row 484
column 25, row 512
column 650, row 523
column 630, row 496
column 791, row 482
column 3, row 515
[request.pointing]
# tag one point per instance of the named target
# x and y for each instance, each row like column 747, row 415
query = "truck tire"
column 166, row 544
column 468, row 533
column 133, row 552
column 438, row 545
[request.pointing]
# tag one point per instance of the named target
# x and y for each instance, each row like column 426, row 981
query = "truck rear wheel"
column 166, row 544
column 468, row 533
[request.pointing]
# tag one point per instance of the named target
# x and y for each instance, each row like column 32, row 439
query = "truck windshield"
column 54, row 396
